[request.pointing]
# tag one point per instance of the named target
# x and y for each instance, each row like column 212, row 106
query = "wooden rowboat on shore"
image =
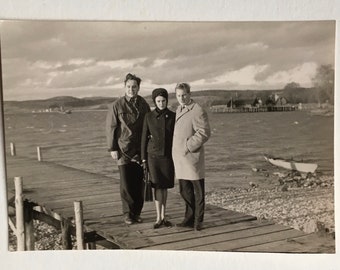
column 292, row 165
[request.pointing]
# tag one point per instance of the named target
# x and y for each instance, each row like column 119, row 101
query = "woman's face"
column 131, row 88
column 160, row 102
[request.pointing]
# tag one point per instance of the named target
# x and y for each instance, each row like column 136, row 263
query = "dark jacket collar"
column 128, row 99
column 159, row 114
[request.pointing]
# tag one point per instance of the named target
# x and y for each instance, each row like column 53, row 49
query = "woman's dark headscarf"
column 159, row 92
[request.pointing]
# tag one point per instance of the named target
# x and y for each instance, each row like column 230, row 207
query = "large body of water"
column 237, row 144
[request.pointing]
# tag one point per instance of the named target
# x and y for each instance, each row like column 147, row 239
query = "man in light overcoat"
column 191, row 131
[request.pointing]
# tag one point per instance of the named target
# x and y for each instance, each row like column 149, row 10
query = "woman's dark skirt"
column 162, row 172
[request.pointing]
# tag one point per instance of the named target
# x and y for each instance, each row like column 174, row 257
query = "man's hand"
column 144, row 165
column 114, row 155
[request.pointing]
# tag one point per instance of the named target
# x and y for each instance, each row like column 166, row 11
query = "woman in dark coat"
column 157, row 136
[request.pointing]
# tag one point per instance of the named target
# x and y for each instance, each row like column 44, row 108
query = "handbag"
column 148, row 197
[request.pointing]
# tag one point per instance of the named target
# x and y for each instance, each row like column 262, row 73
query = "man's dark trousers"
column 192, row 191
column 131, row 188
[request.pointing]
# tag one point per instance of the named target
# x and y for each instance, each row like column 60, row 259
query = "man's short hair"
column 133, row 77
column 183, row 86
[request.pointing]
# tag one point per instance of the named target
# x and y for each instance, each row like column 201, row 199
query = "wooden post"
column 66, row 234
column 90, row 239
column 19, row 213
column 29, row 227
column 39, row 153
column 78, row 211
column 91, row 245
column 13, row 152
column 12, row 225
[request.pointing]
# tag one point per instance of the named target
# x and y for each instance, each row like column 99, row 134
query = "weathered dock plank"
column 105, row 224
column 56, row 187
column 179, row 237
column 251, row 238
column 311, row 243
column 222, row 240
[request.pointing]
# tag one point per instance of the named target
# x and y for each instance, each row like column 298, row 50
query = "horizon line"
column 117, row 96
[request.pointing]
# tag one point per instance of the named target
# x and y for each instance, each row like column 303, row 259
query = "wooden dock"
column 53, row 188
column 252, row 109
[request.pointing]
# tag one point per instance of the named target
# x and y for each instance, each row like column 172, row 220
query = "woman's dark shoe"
column 166, row 223
column 157, row 224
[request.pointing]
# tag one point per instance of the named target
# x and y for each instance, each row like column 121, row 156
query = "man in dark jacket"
column 124, row 124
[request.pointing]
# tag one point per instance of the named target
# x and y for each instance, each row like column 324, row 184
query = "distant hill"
column 67, row 102
column 205, row 97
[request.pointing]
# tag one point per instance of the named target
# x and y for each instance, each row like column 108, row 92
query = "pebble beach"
column 306, row 209
column 303, row 201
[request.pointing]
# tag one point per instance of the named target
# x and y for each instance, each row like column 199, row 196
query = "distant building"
column 257, row 102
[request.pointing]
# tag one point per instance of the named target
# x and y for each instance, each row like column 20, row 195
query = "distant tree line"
column 324, row 83
column 321, row 92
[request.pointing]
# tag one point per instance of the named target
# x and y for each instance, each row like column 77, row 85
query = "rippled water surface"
column 237, row 144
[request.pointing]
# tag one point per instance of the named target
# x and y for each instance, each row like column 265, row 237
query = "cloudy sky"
column 43, row 59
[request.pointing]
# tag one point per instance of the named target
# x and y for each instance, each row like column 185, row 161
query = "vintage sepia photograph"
column 181, row 136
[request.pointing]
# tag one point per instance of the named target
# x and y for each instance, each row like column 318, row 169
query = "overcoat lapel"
column 187, row 108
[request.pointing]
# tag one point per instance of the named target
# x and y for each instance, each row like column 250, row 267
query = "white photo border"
column 170, row 10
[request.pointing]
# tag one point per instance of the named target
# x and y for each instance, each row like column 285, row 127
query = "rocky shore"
column 46, row 238
column 304, row 202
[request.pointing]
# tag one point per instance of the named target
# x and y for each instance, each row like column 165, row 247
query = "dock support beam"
column 19, row 214
column 39, row 153
column 12, row 146
column 66, row 234
column 90, row 239
column 91, row 245
column 29, row 226
column 78, row 212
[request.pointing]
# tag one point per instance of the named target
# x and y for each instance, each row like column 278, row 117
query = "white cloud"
column 245, row 76
column 238, row 78
column 46, row 65
column 159, row 62
column 80, row 61
column 254, row 46
column 301, row 74
column 122, row 63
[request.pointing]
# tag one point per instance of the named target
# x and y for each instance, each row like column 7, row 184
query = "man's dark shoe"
column 185, row 225
column 198, row 227
column 128, row 220
column 138, row 219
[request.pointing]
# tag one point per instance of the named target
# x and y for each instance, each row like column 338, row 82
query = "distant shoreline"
column 316, row 109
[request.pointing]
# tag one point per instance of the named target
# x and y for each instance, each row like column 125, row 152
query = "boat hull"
column 293, row 165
